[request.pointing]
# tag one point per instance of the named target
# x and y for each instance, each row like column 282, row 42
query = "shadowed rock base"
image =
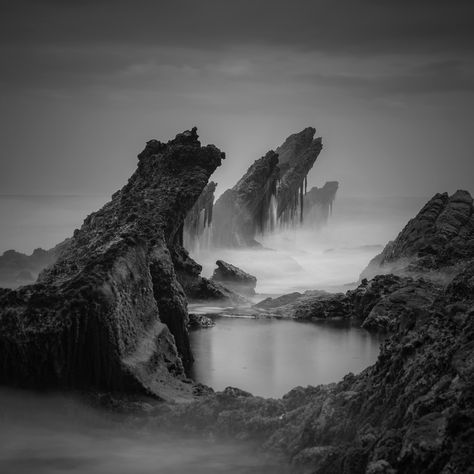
column 110, row 313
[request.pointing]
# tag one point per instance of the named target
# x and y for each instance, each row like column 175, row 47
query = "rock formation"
column 318, row 203
column 242, row 212
column 111, row 313
column 296, row 157
column 411, row 412
column 234, row 278
column 19, row 269
column 271, row 192
column 434, row 243
column 199, row 219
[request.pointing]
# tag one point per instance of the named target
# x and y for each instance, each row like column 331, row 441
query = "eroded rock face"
column 412, row 411
column 111, row 313
column 242, row 212
column 434, row 243
column 234, row 278
column 270, row 193
column 296, row 157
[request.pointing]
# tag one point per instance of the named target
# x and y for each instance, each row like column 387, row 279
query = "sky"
column 389, row 85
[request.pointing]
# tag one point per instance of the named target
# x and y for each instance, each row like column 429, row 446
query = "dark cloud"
column 344, row 26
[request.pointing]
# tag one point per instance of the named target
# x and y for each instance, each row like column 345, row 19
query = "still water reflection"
column 269, row 357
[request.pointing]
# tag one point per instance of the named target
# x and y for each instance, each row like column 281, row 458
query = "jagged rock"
column 412, row 411
column 200, row 321
column 196, row 287
column 296, row 157
column 434, row 243
column 17, row 268
column 318, row 202
column 270, row 192
column 234, row 278
column 241, row 213
column 111, row 313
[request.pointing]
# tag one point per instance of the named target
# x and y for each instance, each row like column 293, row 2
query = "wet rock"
column 435, row 243
column 234, row 278
column 271, row 192
column 200, row 321
column 412, row 411
column 110, row 313
column 241, row 213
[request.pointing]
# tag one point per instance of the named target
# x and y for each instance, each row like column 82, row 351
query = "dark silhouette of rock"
column 318, row 202
column 296, row 157
column 196, row 287
column 200, row 321
column 234, row 278
column 242, row 212
column 111, row 313
column 271, row 192
column 436, row 241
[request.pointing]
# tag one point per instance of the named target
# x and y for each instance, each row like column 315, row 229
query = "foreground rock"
column 111, row 313
column 234, row 278
column 412, row 412
column 435, row 244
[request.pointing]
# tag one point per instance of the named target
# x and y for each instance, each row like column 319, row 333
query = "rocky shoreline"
column 110, row 316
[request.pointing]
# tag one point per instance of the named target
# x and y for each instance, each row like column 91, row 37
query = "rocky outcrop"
column 234, row 278
column 318, row 203
column 111, row 313
column 380, row 304
column 199, row 219
column 242, row 212
column 18, row 269
column 434, row 243
column 270, row 193
column 296, row 157
column 412, row 411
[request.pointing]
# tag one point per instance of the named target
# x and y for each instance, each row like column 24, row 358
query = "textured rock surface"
column 234, row 278
column 111, row 313
column 411, row 412
column 436, row 241
column 271, row 192
column 243, row 211
column 296, row 157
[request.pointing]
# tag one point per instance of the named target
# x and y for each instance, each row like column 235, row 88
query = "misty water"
column 55, row 434
column 50, row 434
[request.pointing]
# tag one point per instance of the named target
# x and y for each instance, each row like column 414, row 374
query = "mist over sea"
column 324, row 258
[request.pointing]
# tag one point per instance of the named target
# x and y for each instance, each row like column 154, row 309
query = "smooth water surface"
column 269, row 357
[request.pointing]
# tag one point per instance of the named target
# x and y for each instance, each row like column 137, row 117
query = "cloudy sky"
column 388, row 84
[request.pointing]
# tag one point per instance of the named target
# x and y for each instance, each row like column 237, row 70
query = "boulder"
column 234, row 278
